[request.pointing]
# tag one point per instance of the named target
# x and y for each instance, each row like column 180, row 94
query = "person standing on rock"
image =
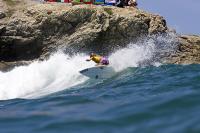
column 120, row 3
column 132, row 3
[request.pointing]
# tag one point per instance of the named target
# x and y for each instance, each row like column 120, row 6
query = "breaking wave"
column 61, row 71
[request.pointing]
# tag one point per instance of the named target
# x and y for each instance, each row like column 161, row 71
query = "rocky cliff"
column 34, row 30
column 188, row 51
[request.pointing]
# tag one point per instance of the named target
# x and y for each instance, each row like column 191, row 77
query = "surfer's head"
column 92, row 55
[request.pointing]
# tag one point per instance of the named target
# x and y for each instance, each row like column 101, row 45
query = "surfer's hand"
column 87, row 59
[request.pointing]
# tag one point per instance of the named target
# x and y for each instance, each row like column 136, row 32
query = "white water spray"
column 131, row 56
column 61, row 72
column 42, row 78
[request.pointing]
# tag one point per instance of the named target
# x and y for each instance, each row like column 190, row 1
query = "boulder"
column 188, row 51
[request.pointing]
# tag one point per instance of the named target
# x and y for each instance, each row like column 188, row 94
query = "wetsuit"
column 100, row 60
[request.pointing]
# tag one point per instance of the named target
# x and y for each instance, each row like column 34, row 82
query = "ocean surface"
column 143, row 96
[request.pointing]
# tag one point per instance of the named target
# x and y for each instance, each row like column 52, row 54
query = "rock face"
column 6, row 66
column 41, row 28
column 188, row 51
column 34, row 30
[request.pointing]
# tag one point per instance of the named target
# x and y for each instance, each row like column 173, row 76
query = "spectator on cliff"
column 132, row 3
column 120, row 3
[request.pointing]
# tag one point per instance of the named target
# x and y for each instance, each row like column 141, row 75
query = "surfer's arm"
column 88, row 59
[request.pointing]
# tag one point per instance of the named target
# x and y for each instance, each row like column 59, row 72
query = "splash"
column 148, row 51
column 61, row 72
column 131, row 56
column 42, row 78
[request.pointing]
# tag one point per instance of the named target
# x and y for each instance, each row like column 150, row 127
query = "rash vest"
column 96, row 58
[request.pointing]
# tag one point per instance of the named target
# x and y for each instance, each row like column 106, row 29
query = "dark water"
column 161, row 99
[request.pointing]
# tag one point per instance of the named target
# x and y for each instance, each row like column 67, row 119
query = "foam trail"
column 42, row 78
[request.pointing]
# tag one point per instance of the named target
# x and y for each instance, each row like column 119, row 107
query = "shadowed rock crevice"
column 16, row 48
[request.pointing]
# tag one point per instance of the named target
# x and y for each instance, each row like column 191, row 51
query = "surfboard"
column 98, row 72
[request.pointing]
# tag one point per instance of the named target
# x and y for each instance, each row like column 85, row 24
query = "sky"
column 181, row 15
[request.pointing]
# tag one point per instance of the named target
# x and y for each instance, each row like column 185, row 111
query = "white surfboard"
column 98, row 72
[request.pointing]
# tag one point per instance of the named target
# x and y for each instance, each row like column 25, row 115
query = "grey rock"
column 2, row 15
column 2, row 29
column 188, row 51
column 7, row 66
column 16, row 48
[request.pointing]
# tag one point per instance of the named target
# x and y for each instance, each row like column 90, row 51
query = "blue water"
column 163, row 99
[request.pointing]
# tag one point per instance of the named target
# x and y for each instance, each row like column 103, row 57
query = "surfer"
column 100, row 60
